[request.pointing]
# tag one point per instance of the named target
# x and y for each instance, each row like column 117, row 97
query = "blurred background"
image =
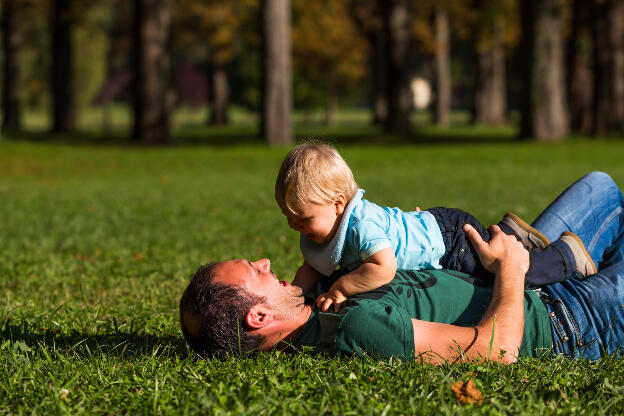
column 226, row 72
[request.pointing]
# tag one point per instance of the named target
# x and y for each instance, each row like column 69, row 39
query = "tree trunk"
column 609, row 67
column 63, row 104
column 277, row 89
column 490, row 94
column 152, row 71
column 544, row 115
column 11, row 42
column 442, row 84
column 581, row 96
column 396, row 28
column 219, row 94
column 580, row 78
column 378, row 65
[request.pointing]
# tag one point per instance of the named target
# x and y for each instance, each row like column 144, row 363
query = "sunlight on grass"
column 99, row 242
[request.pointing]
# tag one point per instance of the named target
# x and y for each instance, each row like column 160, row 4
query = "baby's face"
column 318, row 222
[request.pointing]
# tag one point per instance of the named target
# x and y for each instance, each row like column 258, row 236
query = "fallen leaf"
column 467, row 392
column 64, row 394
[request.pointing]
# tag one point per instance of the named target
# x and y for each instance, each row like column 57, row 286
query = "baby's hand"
column 326, row 299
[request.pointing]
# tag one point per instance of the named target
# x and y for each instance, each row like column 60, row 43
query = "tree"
column 11, row 40
column 329, row 71
column 63, row 103
column 490, row 97
column 543, row 110
column 442, row 67
column 431, row 30
column 579, row 63
column 276, row 65
column 367, row 16
column 493, row 28
column 214, row 23
column 396, row 31
column 608, row 47
column 152, row 71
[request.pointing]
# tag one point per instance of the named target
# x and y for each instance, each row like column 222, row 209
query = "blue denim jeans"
column 587, row 316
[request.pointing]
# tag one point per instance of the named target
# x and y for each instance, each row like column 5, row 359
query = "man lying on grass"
column 240, row 306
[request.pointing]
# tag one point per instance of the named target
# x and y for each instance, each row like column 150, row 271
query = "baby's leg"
column 559, row 261
column 555, row 263
column 460, row 255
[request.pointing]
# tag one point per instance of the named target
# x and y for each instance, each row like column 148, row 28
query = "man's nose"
column 264, row 264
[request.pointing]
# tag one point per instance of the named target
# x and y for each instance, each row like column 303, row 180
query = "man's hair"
column 313, row 173
column 212, row 316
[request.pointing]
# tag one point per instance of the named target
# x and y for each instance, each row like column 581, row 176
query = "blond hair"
column 313, row 173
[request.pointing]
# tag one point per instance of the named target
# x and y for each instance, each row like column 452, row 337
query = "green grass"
column 97, row 244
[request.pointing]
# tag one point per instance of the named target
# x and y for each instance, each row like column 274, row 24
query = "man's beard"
column 288, row 303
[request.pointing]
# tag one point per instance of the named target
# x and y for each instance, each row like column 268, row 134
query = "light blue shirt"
column 367, row 228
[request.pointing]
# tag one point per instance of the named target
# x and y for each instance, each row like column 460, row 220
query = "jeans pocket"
column 560, row 337
column 566, row 327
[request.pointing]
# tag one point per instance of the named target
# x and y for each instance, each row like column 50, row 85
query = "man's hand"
column 502, row 252
column 333, row 297
column 498, row 335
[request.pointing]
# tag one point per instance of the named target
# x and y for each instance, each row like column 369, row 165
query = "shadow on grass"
column 237, row 135
column 118, row 344
column 200, row 136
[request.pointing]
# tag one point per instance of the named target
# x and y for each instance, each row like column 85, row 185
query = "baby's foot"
column 527, row 235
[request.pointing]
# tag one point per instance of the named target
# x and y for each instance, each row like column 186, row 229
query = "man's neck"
column 300, row 322
column 291, row 329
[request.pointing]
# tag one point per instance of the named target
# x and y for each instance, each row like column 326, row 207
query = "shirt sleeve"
column 379, row 330
column 368, row 237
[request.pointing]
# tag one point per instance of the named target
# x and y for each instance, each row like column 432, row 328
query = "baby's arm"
column 306, row 277
column 376, row 271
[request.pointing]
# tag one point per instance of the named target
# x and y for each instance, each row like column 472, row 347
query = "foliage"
column 423, row 33
column 91, row 42
column 98, row 243
column 222, row 33
column 329, row 53
column 34, row 54
column 210, row 23
column 491, row 16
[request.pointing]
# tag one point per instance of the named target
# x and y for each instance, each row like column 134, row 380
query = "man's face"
column 257, row 278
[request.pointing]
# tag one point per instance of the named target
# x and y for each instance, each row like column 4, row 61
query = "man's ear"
column 340, row 203
column 258, row 317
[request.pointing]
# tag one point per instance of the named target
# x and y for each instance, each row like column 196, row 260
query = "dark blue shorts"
column 553, row 264
column 460, row 255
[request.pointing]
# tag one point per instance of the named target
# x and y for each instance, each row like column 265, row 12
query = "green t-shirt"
column 378, row 322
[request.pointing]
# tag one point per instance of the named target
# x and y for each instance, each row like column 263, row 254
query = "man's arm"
column 503, row 322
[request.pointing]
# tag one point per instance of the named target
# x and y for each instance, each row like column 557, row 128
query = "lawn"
column 98, row 242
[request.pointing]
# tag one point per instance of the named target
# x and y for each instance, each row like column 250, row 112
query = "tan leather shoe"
column 529, row 236
column 584, row 263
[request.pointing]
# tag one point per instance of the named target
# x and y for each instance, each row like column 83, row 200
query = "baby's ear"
column 340, row 203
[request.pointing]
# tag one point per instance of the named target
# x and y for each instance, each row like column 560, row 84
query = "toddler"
column 316, row 191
